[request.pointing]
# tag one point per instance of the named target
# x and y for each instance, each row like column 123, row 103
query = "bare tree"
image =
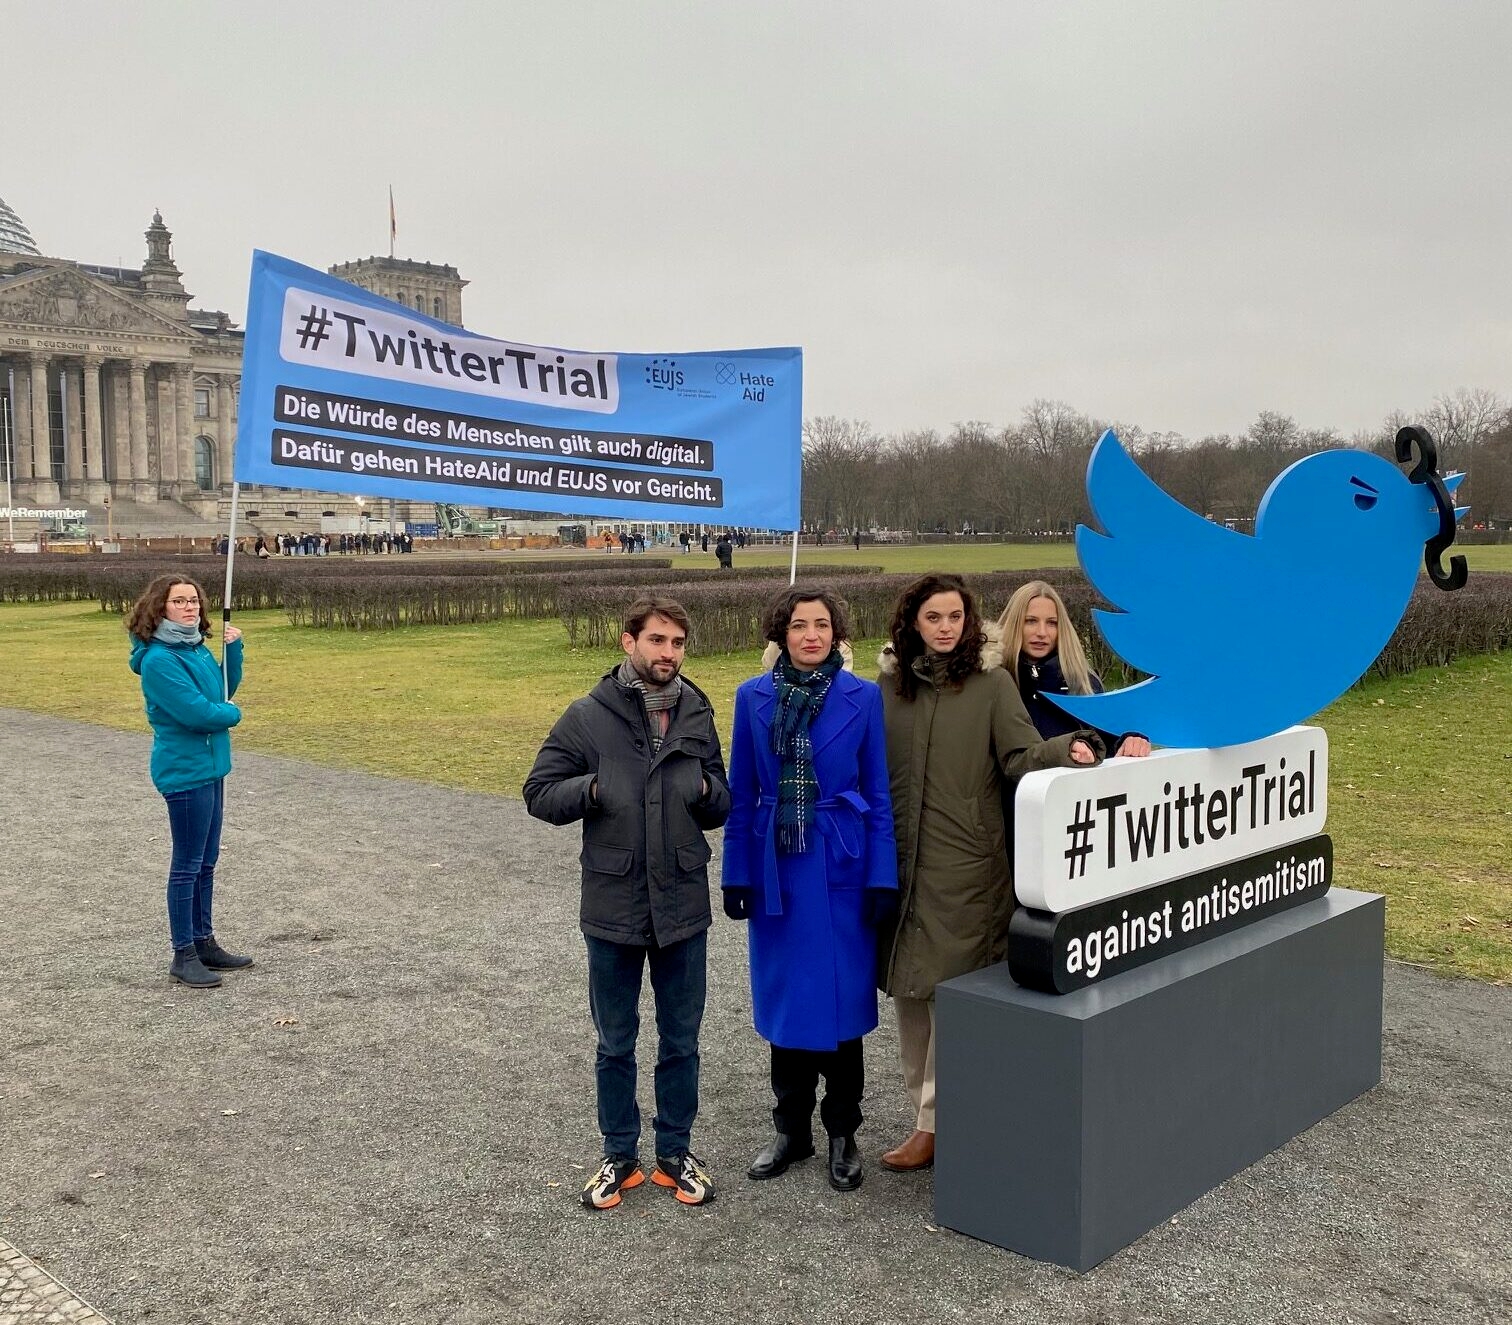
column 1032, row 475
column 839, row 472
column 1459, row 421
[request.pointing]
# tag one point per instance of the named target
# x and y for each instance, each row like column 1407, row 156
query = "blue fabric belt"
column 838, row 819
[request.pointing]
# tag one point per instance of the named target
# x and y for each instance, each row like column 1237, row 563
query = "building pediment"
column 66, row 299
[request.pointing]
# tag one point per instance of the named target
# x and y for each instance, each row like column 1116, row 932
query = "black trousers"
column 795, row 1083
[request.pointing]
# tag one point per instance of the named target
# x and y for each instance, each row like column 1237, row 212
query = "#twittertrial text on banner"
column 344, row 391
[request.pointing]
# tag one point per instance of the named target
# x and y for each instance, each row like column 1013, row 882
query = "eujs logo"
column 664, row 375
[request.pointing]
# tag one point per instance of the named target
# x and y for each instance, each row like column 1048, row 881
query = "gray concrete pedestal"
column 1068, row 1125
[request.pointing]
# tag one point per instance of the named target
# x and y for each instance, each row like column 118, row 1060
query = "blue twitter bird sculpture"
column 1245, row 636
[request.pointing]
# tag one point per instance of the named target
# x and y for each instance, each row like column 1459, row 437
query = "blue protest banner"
column 345, row 391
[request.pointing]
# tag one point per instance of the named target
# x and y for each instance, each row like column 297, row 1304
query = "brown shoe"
column 915, row 1153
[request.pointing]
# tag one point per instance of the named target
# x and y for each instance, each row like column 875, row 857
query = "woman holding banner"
column 956, row 729
column 191, row 723
column 809, row 862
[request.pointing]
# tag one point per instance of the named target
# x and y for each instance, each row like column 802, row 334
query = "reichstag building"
column 113, row 387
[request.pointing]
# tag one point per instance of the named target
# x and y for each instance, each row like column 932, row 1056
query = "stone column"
column 183, row 417
column 119, row 468
column 72, row 381
column 41, row 436
column 44, row 486
column 94, row 421
column 167, row 428
column 20, row 418
column 225, row 431
column 145, row 491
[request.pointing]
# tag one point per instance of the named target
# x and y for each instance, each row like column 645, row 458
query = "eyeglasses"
column 183, row 602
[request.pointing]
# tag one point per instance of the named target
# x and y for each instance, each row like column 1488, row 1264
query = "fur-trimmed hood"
column 992, row 652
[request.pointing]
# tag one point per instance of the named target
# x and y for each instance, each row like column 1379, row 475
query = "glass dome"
column 14, row 236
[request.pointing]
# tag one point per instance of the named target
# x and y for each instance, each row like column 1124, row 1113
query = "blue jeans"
column 194, row 817
column 679, row 982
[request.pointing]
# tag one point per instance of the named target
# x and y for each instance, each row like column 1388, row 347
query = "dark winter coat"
column 1042, row 677
column 1036, row 679
column 813, row 956
column 948, row 752
column 644, row 856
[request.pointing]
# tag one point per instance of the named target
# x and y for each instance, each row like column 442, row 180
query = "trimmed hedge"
column 1439, row 627
column 382, row 592
column 364, row 592
column 259, row 584
column 438, row 600
column 1436, row 628
column 382, row 604
column 727, row 614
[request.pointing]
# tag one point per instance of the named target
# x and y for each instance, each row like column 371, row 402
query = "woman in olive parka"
column 956, row 728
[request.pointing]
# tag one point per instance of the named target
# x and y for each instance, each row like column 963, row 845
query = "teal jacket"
column 191, row 723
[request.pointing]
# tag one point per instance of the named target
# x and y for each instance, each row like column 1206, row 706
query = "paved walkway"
column 387, row 1119
column 31, row 1296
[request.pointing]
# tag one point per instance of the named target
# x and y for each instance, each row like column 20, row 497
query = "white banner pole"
column 226, row 597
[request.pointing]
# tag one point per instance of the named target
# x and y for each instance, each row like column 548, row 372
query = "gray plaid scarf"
column 658, row 698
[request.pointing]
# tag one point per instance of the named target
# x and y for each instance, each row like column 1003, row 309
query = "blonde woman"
column 1045, row 656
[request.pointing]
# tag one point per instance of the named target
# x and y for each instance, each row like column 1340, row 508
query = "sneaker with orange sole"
column 686, row 1176
column 602, row 1190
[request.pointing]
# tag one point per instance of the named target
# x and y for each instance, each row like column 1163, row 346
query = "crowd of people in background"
column 635, row 540
column 305, row 544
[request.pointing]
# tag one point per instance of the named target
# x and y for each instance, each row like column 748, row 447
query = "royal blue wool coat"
column 813, row 956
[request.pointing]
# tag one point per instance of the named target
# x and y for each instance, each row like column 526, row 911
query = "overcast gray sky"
column 1175, row 214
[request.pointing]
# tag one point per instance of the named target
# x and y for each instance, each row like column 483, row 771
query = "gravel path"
column 389, row 1116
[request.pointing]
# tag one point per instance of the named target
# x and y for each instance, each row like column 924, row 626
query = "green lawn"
column 1419, row 803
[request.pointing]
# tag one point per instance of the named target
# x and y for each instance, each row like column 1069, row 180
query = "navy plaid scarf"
column 800, row 696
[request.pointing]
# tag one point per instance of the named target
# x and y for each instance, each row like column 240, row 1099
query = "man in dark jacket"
column 638, row 761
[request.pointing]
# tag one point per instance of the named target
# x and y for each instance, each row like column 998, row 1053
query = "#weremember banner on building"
column 345, row 391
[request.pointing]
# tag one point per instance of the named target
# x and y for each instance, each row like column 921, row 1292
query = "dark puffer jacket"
column 1036, row 680
column 644, row 856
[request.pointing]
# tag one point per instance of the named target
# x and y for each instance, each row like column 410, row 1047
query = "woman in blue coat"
column 191, row 723
column 809, row 862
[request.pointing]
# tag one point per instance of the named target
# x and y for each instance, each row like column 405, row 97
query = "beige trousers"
column 916, row 1046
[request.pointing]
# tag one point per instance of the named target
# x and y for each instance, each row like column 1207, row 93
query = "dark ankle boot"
column 216, row 958
column 844, row 1164
column 774, row 1157
column 187, row 969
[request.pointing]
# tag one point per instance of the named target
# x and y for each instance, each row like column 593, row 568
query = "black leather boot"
column 844, row 1163
column 216, row 958
column 774, row 1157
column 187, row 969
